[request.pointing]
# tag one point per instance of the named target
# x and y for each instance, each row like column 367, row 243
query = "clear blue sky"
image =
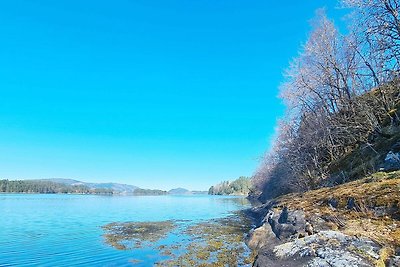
column 158, row 94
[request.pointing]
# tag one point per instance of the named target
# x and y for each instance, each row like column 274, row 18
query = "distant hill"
column 199, row 192
column 124, row 188
column 179, row 191
column 184, row 191
column 61, row 181
column 115, row 188
column 64, row 185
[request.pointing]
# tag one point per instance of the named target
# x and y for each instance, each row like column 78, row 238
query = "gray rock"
column 392, row 161
column 394, row 261
column 272, row 232
column 260, row 237
column 283, row 218
column 333, row 202
column 326, row 248
column 396, row 147
column 281, row 240
column 282, row 231
column 367, row 246
column 307, row 252
column 380, row 211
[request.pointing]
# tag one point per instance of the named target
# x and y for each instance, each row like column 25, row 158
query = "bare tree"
column 376, row 30
column 338, row 93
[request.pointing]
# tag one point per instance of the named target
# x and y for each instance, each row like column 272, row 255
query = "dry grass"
column 380, row 191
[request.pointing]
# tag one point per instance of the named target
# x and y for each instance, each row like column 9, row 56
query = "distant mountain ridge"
column 184, row 191
column 179, row 191
column 117, row 187
column 121, row 188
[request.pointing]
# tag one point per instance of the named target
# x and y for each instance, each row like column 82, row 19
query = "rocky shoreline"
column 354, row 224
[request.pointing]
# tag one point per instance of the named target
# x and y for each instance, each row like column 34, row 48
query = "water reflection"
column 238, row 200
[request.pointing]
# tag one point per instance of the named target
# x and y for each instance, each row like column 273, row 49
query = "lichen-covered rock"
column 354, row 224
column 326, row 248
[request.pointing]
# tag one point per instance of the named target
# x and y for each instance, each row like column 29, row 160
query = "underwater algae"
column 131, row 235
column 216, row 242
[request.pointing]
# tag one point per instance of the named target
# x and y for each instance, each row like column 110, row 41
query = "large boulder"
column 277, row 228
column 261, row 237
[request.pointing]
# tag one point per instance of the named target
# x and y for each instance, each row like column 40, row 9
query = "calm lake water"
column 65, row 230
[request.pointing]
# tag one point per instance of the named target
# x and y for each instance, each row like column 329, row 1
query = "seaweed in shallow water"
column 215, row 243
column 131, row 235
column 218, row 242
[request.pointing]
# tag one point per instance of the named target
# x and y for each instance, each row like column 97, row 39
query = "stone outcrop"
column 355, row 224
column 392, row 161
column 326, row 248
column 288, row 239
column 277, row 227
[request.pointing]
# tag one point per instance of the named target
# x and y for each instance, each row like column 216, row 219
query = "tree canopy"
column 240, row 186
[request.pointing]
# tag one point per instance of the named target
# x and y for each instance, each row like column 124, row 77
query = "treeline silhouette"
column 47, row 187
column 240, row 186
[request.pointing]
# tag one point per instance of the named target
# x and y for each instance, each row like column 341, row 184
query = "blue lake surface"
column 65, row 230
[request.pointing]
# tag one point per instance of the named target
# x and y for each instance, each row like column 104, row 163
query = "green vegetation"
column 240, row 186
column 46, row 187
